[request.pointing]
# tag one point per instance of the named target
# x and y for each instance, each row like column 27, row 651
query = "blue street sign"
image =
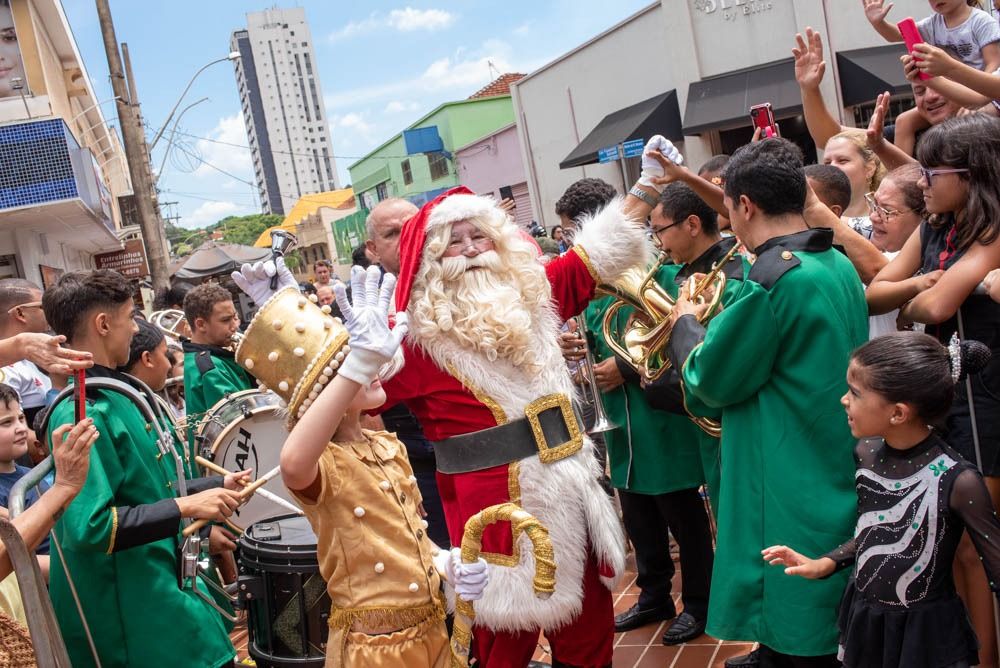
column 633, row 148
column 609, row 154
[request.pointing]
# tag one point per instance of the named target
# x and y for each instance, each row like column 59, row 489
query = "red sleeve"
column 405, row 385
column 573, row 280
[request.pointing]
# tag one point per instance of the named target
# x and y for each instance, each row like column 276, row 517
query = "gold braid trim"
column 582, row 254
column 514, row 492
column 544, row 582
column 498, row 413
column 388, row 616
column 114, row 529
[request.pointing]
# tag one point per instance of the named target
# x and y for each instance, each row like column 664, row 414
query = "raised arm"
column 891, row 155
column 866, row 258
column 373, row 344
column 963, row 84
column 809, row 70
column 875, row 12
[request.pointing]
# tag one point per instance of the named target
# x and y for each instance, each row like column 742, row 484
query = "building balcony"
column 50, row 185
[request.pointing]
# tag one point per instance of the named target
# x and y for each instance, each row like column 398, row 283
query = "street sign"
column 633, row 148
column 609, row 154
column 130, row 262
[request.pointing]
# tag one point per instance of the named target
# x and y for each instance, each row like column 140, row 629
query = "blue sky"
column 382, row 65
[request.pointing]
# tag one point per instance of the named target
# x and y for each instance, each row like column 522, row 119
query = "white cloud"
column 407, row 19
column 523, row 29
column 354, row 122
column 233, row 159
column 462, row 73
column 211, row 212
column 399, row 106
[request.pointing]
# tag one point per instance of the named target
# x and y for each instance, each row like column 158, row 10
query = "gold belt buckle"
column 553, row 453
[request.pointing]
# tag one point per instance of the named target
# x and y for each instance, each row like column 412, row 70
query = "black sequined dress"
column 900, row 609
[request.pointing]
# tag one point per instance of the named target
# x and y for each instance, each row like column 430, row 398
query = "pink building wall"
column 491, row 163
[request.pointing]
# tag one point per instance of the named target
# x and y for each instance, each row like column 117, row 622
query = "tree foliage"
column 244, row 229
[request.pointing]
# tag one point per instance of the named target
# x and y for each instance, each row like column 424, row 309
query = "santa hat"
column 456, row 204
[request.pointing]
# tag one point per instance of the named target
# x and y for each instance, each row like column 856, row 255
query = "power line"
column 293, row 153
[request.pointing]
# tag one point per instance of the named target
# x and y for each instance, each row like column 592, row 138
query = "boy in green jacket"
column 210, row 370
column 118, row 541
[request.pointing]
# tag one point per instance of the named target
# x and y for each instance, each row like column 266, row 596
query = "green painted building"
column 428, row 168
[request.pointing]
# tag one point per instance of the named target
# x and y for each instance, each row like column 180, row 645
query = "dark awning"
column 864, row 73
column 724, row 102
column 658, row 115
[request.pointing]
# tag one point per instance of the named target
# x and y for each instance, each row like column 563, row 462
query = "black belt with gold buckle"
column 550, row 419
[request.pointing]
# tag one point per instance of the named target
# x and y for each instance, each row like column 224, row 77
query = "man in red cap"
column 485, row 377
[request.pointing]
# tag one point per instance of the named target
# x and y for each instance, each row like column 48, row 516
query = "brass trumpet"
column 643, row 342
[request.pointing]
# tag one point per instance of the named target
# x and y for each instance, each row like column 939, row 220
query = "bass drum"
column 284, row 595
column 246, row 431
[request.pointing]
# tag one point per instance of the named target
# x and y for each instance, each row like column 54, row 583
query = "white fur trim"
column 565, row 496
column 613, row 242
column 461, row 207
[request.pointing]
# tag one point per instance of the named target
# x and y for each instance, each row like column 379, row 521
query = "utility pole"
column 134, row 139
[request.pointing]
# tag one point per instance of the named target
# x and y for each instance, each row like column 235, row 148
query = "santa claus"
column 485, row 377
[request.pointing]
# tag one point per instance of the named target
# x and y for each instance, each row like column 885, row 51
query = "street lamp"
column 233, row 55
column 173, row 130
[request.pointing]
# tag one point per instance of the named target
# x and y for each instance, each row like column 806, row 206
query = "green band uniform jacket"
column 120, row 540
column 774, row 362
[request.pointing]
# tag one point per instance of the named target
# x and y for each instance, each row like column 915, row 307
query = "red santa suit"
column 454, row 390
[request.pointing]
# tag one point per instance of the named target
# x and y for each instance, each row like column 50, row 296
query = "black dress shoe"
column 635, row 616
column 684, row 628
column 751, row 660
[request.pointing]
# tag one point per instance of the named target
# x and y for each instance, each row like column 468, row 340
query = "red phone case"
column 762, row 116
column 911, row 36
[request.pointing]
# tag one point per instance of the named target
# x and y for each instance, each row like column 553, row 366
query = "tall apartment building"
column 283, row 108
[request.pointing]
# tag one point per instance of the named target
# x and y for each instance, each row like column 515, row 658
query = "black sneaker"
column 751, row 660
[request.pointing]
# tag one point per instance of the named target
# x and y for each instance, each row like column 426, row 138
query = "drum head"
column 254, row 443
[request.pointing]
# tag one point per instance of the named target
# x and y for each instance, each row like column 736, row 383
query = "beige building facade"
column 690, row 69
column 62, row 167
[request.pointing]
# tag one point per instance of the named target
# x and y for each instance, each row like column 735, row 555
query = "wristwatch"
column 636, row 191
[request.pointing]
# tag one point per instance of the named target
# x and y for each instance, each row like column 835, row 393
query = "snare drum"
column 284, row 595
column 243, row 431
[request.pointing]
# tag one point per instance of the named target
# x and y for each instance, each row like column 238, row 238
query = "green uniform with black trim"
column 774, row 362
column 210, row 373
column 650, row 451
column 120, row 540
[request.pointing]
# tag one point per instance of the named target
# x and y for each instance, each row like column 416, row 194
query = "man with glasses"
column 21, row 312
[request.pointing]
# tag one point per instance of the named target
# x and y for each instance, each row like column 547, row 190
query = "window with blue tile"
column 35, row 164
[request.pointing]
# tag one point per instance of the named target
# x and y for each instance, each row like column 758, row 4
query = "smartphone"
column 80, row 394
column 911, row 36
column 762, row 116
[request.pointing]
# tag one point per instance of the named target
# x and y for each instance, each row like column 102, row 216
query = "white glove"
column 255, row 279
column 650, row 167
column 468, row 580
column 367, row 321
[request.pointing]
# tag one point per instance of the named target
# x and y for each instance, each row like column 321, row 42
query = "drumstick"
column 245, row 494
column 270, row 496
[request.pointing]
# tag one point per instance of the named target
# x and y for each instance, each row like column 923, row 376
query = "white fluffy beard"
column 482, row 305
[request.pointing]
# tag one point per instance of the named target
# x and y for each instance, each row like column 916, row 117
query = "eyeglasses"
column 658, row 230
column 929, row 174
column 481, row 244
column 885, row 213
column 37, row 304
